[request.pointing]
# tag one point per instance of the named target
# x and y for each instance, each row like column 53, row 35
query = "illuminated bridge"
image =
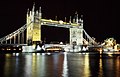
column 30, row 33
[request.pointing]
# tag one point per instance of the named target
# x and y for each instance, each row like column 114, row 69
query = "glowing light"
column 65, row 66
column 65, row 53
column 61, row 22
column 84, row 49
column 14, row 54
column 48, row 53
column 61, row 42
column 14, row 49
column 67, row 49
column 38, row 53
column 86, row 69
column 3, row 49
column 17, row 54
column 33, row 54
column 8, row 55
column 8, row 49
column 100, row 51
column 43, row 53
column 20, row 49
column 83, row 53
column 38, row 48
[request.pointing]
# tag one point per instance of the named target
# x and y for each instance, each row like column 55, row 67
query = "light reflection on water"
column 65, row 66
column 59, row 65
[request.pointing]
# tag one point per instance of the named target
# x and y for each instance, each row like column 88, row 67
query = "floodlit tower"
column 29, row 28
column 76, row 33
column 34, row 29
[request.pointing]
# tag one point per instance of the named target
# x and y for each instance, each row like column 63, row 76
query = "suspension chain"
column 18, row 31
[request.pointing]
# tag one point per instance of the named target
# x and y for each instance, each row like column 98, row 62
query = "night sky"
column 100, row 16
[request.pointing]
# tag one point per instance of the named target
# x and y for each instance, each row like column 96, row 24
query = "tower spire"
column 39, row 9
column 70, row 20
column 81, row 20
column 33, row 9
column 33, row 12
column 28, row 12
column 40, row 12
column 76, row 18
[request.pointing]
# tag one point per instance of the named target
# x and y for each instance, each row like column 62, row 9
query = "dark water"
column 59, row 65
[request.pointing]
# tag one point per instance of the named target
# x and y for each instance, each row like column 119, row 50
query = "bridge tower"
column 34, row 29
column 76, row 33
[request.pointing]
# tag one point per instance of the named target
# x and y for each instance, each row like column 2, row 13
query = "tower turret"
column 33, row 12
column 75, row 19
column 40, row 13
column 28, row 13
column 33, row 9
column 81, row 21
column 70, row 20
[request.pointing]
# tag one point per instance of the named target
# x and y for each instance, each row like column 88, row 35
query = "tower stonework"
column 76, row 36
column 33, row 26
column 76, row 33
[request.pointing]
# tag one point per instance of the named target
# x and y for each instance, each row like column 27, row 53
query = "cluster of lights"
column 54, row 48
column 11, row 49
column 45, row 21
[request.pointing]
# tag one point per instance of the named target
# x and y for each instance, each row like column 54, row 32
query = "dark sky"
column 100, row 16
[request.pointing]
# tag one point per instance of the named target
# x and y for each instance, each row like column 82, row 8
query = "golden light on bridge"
column 61, row 22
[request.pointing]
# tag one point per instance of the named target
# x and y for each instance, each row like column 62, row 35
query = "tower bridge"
column 30, row 33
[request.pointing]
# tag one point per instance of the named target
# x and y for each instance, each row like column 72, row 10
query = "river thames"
column 59, row 65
